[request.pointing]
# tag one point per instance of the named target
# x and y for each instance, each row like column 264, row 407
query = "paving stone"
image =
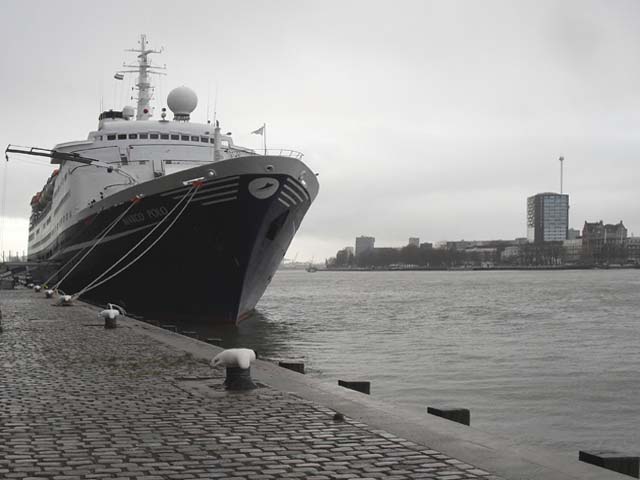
column 80, row 403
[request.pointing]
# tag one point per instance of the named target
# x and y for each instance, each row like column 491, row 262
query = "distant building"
column 426, row 246
column 547, row 217
column 633, row 250
column 415, row 241
column 573, row 233
column 364, row 244
column 344, row 257
column 598, row 232
column 510, row 252
column 604, row 243
column 573, row 252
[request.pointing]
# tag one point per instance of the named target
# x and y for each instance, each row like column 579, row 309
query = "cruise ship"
column 166, row 217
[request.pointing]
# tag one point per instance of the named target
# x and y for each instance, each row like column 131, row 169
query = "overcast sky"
column 424, row 118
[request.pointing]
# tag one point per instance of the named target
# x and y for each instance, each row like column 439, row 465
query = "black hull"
column 212, row 265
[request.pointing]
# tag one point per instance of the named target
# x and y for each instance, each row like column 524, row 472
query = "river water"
column 544, row 358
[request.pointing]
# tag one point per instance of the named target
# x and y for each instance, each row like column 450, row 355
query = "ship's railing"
column 277, row 152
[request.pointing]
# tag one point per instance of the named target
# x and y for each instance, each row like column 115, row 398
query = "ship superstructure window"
column 212, row 140
column 111, row 137
column 175, row 137
column 144, row 136
column 153, row 136
column 185, row 138
column 194, row 139
column 122, row 136
column 164, row 136
column 204, row 139
column 133, row 136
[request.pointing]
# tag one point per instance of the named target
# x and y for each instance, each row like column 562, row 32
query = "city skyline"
column 435, row 120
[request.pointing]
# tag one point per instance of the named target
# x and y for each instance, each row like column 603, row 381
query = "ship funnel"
column 182, row 101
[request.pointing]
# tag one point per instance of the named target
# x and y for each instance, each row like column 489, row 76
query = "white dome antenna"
column 182, row 101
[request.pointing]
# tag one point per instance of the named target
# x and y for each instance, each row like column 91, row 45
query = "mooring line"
column 97, row 281
column 104, row 233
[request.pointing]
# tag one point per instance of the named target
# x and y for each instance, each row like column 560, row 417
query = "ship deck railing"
column 276, row 152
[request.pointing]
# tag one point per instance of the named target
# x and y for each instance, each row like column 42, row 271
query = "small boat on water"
column 167, row 218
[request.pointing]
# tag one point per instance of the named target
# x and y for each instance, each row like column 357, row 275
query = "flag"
column 119, row 76
column 259, row 131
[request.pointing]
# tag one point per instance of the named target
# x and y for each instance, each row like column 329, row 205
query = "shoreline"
column 479, row 269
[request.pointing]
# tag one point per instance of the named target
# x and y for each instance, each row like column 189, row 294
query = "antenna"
column 208, row 102
column 215, row 105
column 561, row 163
column 143, row 85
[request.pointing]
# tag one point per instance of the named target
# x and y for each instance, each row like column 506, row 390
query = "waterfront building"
column 364, row 244
column 510, row 252
column 415, row 241
column 604, row 243
column 633, row 250
column 573, row 233
column 572, row 250
column 547, row 217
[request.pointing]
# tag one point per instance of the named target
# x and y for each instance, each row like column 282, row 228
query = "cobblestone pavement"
column 81, row 402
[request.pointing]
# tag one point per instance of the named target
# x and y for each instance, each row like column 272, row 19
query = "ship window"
column 153, row 136
column 204, row 139
column 133, row 136
column 111, row 137
column 212, row 140
column 185, row 138
column 175, row 137
column 144, row 136
column 194, row 139
column 142, row 162
column 122, row 136
column 168, row 162
column 164, row 136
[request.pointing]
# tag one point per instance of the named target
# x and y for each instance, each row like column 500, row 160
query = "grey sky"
column 430, row 119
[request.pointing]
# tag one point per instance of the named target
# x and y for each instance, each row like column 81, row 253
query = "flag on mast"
column 262, row 131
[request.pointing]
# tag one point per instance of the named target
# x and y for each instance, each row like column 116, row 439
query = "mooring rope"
column 103, row 234
column 97, row 281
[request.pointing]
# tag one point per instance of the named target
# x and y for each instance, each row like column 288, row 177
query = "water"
column 545, row 358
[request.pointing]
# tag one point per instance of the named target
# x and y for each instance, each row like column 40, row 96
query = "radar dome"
column 182, row 101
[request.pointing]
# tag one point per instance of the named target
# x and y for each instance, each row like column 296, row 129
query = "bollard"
column 110, row 323
column 295, row 366
column 37, row 288
column 65, row 300
column 460, row 415
column 618, row 462
column 239, row 379
column 48, row 293
column 362, row 387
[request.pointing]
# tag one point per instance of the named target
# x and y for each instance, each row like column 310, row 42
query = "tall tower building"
column 547, row 217
column 364, row 244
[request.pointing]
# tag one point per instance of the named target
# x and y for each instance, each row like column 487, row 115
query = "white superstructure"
column 126, row 152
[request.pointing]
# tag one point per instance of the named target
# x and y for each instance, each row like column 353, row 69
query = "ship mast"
column 143, row 69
